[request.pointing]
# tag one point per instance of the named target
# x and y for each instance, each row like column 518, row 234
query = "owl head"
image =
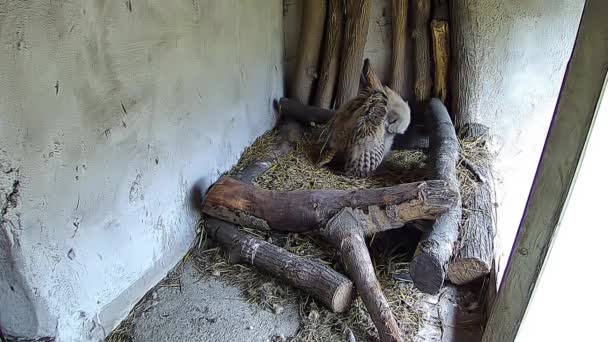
column 398, row 115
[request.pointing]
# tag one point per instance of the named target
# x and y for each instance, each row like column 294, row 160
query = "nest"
column 294, row 171
column 297, row 170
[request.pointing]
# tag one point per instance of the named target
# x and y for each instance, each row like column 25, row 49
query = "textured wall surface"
column 110, row 113
column 518, row 52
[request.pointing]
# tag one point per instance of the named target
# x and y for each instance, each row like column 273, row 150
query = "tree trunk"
column 331, row 55
column 325, row 284
column 466, row 83
column 422, row 50
column 346, row 231
column 306, row 210
column 429, row 266
column 311, row 35
column 475, row 252
column 399, row 40
column 355, row 37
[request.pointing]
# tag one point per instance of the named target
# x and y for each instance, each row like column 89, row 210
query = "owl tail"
column 326, row 155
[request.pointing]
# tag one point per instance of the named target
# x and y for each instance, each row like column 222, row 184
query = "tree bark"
column 422, row 50
column 467, row 87
column 322, row 282
column 306, row 210
column 429, row 266
column 399, row 41
column 331, row 55
column 311, row 35
column 475, row 251
column 346, row 231
column 441, row 54
column 325, row 284
column 355, row 37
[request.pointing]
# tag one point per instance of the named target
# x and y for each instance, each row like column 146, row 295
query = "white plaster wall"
column 520, row 51
column 520, row 54
column 110, row 113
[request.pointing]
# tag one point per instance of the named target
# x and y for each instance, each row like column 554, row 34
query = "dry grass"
column 298, row 171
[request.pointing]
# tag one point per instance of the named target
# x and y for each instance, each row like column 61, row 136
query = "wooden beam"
column 574, row 116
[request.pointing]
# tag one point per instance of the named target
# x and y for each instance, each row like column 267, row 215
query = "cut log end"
column 427, row 273
column 463, row 271
column 342, row 297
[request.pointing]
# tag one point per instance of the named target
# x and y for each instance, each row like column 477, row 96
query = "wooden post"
column 429, row 266
column 466, row 83
column 399, row 40
column 331, row 55
column 355, row 37
column 311, row 35
column 422, row 50
column 441, row 49
column 577, row 105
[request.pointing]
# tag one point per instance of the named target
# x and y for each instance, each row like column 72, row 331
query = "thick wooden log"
column 441, row 49
column 429, row 266
column 305, row 210
column 331, row 55
column 322, row 282
column 399, row 40
column 346, row 231
column 422, row 50
column 475, row 251
column 311, row 36
column 355, row 37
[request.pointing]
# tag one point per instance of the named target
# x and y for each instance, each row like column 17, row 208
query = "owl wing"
column 335, row 135
column 366, row 146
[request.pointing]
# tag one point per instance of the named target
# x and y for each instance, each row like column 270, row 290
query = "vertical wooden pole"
column 422, row 51
column 399, row 40
column 311, row 35
column 331, row 55
column 355, row 37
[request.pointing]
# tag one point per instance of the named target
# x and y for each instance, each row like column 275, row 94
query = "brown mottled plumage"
column 362, row 130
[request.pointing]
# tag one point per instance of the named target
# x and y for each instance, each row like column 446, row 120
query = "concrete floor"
column 208, row 310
